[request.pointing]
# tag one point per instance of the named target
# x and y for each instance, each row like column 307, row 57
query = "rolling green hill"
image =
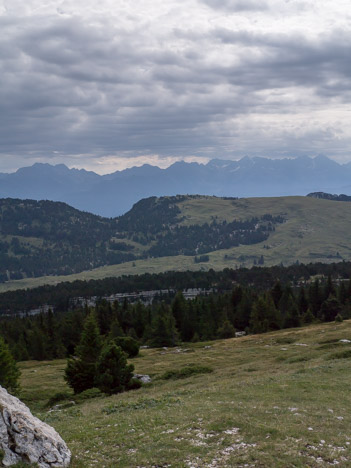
column 272, row 400
column 41, row 240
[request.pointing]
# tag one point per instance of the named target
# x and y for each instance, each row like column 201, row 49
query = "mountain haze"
column 114, row 194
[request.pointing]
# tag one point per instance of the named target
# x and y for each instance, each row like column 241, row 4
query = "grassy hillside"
column 278, row 399
column 313, row 230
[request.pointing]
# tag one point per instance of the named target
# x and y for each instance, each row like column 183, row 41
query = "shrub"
column 186, row 372
column 341, row 355
column 60, row 396
column 128, row 344
column 89, row 394
column 134, row 384
column 286, row 340
column 296, row 359
column 331, row 340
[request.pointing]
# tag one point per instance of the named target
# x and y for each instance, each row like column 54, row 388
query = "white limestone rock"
column 23, row 437
column 145, row 379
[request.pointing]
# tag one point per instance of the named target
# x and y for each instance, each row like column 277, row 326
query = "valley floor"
column 275, row 400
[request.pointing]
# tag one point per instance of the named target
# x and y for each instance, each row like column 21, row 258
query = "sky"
column 109, row 84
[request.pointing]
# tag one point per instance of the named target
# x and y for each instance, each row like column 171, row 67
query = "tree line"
column 260, row 278
column 172, row 321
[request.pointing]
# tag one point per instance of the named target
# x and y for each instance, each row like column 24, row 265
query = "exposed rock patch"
column 145, row 379
column 23, row 437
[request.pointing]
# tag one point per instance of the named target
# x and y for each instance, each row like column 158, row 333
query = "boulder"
column 24, row 438
column 145, row 379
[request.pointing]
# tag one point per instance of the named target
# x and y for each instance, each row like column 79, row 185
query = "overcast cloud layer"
column 105, row 84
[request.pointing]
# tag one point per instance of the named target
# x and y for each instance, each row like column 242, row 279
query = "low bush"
column 186, row 372
column 341, row 355
column 330, row 345
column 89, row 394
column 286, row 340
column 296, row 359
column 331, row 340
column 60, row 396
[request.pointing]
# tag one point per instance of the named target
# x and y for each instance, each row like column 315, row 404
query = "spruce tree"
column 103, row 312
column 308, row 317
column 243, row 311
column 207, row 325
column 163, row 331
column 315, row 297
column 113, row 374
column 330, row 309
column 140, row 319
column 236, row 297
column 179, row 307
column 37, row 344
column 226, row 330
column 328, row 289
column 258, row 318
column 188, row 325
column 342, row 294
column 9, row 373
column 302, row 301
column 264, row 315
column 54, row 347
column 80, row 370
column 115, row 330
column 277, row 292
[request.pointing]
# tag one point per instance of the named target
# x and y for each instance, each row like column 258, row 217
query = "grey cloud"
column 262, row 6
column 75, row 88
column 284, row 59
column 238, row 5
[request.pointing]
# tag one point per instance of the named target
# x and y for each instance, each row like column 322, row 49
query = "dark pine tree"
column 9, row 373
column 277, row 292
column 226, row 330
column 80, row 370
column 315, row 298
column 330, row 309
column 163, row 331
column 113, row 374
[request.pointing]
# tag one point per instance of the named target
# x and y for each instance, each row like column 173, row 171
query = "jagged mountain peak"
column 114, row 194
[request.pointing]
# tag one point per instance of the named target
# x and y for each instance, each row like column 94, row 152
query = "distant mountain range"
column 114, row 194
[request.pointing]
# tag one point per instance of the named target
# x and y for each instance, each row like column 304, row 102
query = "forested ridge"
column 39, row 238
column 45, row 237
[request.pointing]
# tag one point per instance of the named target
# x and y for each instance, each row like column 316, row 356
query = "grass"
column 272, row 400
column 314, row 231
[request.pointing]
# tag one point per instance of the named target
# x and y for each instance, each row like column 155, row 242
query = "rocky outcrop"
column 23, row 437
